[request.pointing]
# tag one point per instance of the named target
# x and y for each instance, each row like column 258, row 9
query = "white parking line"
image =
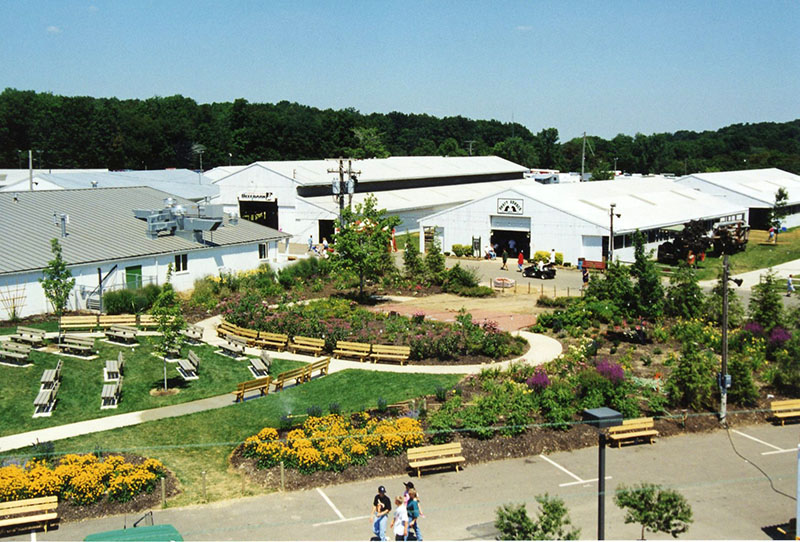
column 581, row 482
column 340, row 521
column 779, row 451
column 330, row 503
column 756, row 440
column 559, row 467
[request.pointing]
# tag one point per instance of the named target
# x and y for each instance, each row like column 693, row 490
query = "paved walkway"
column 751, row 278
column 542, row 349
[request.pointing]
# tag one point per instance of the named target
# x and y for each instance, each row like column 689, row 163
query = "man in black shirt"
column 381, row 506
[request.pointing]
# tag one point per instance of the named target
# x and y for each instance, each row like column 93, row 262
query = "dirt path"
column 510, row 311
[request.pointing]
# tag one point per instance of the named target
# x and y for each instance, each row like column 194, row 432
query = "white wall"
column 200, row 263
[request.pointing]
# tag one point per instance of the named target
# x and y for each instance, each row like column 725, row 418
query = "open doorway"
column 260, row 212
column 513, row 241
column 325, row 230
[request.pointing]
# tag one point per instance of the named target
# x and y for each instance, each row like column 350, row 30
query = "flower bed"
column 80, row 479
column 336, row 320
column 333, row 443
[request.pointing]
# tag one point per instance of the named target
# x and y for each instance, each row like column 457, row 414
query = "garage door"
column 515, row 223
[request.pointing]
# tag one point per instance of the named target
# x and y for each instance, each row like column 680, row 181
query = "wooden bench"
column 299, row 375
column 111, row 394
column 124, row 334
column 114, row 369
column 225, row 328
column 259, row 384
column 260, row 366
column 106, row 321
column 593, row 264
column 28, row 513
column 276, row 341
column 78, row 322
column 234, row 346
column 193, row 333
column 390, row 352
column 633, row 429
column 146, row 321
column 439, row 455
column 306, row 344
column 188, row 367
column 50, row 377
column 76, row 345
column 320, row 365
column 29, row 335
column 786, row 409
column 353, row 350
column 14, row 352
column 45, row 401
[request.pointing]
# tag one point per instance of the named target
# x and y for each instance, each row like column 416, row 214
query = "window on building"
column 181, row 262
column 263, row 251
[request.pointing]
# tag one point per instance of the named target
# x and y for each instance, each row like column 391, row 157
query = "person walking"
column 381, row 506
column 310, row 243
column 412, row 508
column 400, row 519
column 553, row 256
column 520, row 261
column 789, row 286
column 505, row 260
column 585, row 277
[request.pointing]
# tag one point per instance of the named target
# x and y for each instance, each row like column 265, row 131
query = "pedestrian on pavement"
column 520, row 261
column 585, row 276
column 310, row 243
column 400, row 519
column 413, row 510
column 505, row 260
column 789, row 286
column 325, row 244
column 771, row 235
column 381, row 506
column 553, row 256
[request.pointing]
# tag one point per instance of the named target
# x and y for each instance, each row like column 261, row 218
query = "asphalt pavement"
column 729, row 496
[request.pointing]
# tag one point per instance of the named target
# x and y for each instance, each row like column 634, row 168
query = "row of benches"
column 103, row 321
column 237, row 338
column 262, row 384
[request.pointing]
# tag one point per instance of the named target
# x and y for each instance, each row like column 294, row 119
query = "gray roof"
column 101, row 228
column 178, row 182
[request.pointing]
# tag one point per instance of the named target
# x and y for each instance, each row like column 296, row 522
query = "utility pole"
column 345, row 185
column 611, row 234
column 470, row 142
column 583, row 156
column 723, row 380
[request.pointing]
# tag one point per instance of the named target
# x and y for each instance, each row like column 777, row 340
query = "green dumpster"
column 156, row 533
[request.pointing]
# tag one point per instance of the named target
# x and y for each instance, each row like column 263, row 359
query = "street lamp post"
column 602, row 418
column 724, row 379
column 612, row 214
column 615, row 166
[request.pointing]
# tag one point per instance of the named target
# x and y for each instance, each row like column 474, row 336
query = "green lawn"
column 199, row 442
column 82, row 382
column 756, row 255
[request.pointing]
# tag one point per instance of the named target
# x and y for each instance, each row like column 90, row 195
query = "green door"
column 133, row 277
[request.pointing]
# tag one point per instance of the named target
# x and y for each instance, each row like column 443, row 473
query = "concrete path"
column 730, row 499
column 751, row 278
column 542, row 349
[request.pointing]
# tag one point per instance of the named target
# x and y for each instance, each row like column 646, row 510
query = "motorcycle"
column 548, row 271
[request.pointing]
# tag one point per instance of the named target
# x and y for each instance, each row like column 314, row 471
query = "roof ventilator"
column 188, row 223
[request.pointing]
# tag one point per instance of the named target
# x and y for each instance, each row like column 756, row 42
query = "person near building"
column 520, row 261
column 771, row 235
column 400, row 519
column 553, row 256
column 505, row 260
column 381, row 506
column 789, row 286
column 512, row 245
column 310, row 243
column 325, row 244
column 585, row 277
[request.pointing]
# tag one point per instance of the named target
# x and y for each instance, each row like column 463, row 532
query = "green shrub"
column 130, row 301
column 460, row 250
column 561, row 302
column 692, row 382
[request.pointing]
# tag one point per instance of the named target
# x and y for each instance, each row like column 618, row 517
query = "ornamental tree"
column 167, row 313
column 654, row 508
column 779, row 211
column 363, row 241
column 553, row 522
column 57, row 281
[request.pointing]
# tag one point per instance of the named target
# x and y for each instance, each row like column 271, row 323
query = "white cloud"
column 523, row 28
column 53, row 30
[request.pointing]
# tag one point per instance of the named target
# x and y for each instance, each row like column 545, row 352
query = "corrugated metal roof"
column 101, row 227
column 314, row 172
column 182, row 183
column 758, row 184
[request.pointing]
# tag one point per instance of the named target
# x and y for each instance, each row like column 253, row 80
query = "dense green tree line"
column 161, row 132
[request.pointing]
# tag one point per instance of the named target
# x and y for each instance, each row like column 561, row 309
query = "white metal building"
column 295, row 197
column 102, row 241
column 754, row 189
column 574, row 219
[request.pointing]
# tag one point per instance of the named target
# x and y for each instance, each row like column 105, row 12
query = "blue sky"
column 604, row 67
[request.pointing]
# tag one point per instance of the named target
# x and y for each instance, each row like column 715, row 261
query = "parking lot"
column 730, row 498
